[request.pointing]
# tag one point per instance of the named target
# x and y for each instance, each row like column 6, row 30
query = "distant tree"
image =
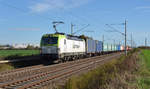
column 30, row 47
column 37, row 47
column 85, row 37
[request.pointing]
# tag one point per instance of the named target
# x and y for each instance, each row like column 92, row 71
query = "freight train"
column 67, row 47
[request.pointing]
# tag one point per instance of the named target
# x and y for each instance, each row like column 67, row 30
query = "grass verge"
column 10, row 54
column 5, row 67
column 112, row 75
column 144, row 70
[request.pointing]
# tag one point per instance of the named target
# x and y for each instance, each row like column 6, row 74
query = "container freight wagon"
column 99, row 47
column 112, row 47
column 127, row 47
column 109, row 47
column 122, row 48
column 90, row 47
column 118, row 47
column 105, row 47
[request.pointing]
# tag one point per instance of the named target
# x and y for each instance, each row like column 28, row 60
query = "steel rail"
column 37, row 83
column 38, row 76
column 14, row 74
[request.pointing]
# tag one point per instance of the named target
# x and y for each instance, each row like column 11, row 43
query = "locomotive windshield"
column 49, row 40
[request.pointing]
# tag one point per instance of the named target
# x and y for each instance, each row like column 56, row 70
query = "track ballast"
column 39, row 76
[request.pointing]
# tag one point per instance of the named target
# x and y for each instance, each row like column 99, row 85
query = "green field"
column 18, row 53
column 144, row 71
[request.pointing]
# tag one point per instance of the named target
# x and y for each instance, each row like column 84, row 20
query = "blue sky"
column 25, row 21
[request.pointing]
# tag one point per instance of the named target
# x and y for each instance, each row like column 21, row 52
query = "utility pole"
column 103, row 38
column 114, row 42
column 145, row 42
column 124, row 34
column 131, row 41
column 125, row 37
column 72, row 28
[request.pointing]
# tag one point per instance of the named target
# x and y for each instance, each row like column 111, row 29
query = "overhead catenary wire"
column 81, row 29
column 114, row 29
column 25, row 11
column 124, row 34
column 44, row 17
column 79, row 18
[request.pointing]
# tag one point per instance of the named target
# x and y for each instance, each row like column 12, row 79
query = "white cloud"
column 40, row 7
column 47, row 5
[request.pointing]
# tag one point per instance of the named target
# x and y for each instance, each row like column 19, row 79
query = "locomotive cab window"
column 49, row 40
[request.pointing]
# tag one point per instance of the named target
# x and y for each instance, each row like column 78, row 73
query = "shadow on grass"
column 17, row 56
column 31, row 63
column 25, row 63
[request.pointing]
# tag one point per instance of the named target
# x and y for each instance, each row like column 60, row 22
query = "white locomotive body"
column 60, row 46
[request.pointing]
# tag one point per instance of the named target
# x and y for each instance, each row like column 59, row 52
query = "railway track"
column 28, row 71
column 18, row 70
column 37, row 77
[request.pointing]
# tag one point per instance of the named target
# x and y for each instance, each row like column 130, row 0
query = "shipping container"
column 112, row 47
column 122, row 48
column 90, row 46
column 115, row 47
column 99, row 46
column 118, row 47
column 109, row 47
column 127, row 47
column 105, row 47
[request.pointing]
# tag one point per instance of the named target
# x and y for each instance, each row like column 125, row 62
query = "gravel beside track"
column 38, row 76
column 27, row 71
